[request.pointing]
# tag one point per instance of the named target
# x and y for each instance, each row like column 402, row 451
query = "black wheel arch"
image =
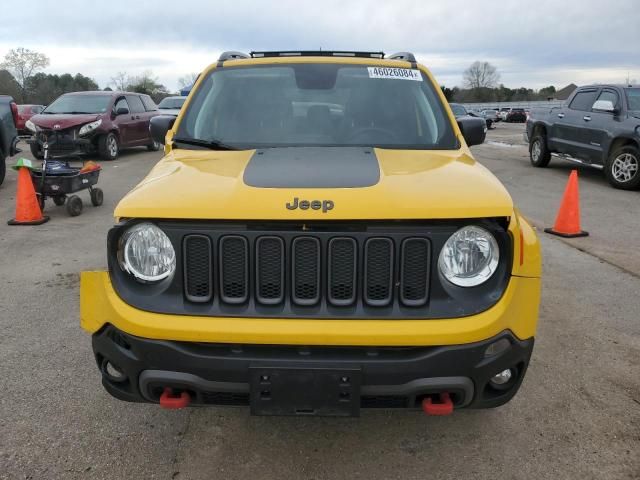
column 618, row 142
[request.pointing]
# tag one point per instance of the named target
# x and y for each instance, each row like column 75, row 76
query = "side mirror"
column 473, row 130
column 122, row 111
column 604, row 106
column 159, row 126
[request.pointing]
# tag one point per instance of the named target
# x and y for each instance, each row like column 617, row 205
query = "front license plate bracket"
column 305, row 391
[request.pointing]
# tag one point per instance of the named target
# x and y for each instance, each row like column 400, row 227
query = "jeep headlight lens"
column 31, row 126
column 147, row 253
column 469, row 257
column 89, row 127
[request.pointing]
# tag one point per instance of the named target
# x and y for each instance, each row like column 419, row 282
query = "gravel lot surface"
column 577, row 415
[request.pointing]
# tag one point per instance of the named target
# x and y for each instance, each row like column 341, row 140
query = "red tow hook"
column 173, row 402
column 444, row 407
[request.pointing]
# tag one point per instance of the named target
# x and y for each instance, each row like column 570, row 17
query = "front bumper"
column 383, row 377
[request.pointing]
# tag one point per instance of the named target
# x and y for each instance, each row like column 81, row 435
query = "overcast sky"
column 532, row 43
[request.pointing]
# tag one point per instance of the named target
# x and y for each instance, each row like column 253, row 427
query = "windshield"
column 633, row 98
column 171, row 103
column 317, row 105
column 79, row 104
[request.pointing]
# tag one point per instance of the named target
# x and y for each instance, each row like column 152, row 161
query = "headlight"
column 469, row 257
column 146, row 253
column 31, row 126
column 89, row 127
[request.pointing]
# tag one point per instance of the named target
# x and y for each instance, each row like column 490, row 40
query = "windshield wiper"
column 210, row 144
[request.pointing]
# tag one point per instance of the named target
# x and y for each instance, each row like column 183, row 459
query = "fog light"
column 497, row 347
column 502, row 378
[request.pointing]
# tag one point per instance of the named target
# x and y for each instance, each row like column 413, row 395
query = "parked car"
column 599, row 125
column 464, row 117
column 89, row 122
column 477, row 114
column 8, row 132
column 490, row 114
column 502, row 113
column 516, row 115
column 344, row 254
column 171, row 105
column 25, row 112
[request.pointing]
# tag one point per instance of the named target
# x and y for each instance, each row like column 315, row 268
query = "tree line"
column 21, row 76
column 481, row 84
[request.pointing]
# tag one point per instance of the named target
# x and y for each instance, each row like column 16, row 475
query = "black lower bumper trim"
column 137, row 369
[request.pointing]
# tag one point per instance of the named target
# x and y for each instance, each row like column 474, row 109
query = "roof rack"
column 233, row 55
column 317, row 53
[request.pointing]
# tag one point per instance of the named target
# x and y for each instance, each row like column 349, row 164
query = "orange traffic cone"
column 568, row 219
column 27, row 209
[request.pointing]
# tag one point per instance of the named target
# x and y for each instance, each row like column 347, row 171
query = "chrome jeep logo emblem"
column 324, row 205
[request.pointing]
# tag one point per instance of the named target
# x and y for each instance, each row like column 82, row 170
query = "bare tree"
column 481, row 75
column 188, row 80
column 120, row 81
column 23, row 63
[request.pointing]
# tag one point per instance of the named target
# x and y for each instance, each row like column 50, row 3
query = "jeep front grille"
column 307, row 270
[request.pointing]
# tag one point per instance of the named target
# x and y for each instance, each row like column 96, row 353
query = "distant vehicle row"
column 599, row 125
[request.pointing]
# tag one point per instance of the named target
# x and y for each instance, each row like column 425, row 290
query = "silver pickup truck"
column 8, row 132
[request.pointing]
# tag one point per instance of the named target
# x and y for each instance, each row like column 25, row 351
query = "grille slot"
column 343, row 259
column 378, row 272
column 198, row 278
column 306, row 270
column 270, row 270
column 234, row 269
column 414, row 274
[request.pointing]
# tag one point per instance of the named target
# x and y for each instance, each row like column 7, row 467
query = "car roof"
column 102, row 92
column 611, row 85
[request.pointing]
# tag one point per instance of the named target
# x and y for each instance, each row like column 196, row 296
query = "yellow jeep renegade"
column 317, row 239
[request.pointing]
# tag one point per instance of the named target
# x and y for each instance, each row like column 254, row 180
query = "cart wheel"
column 59, row 200
column 96, row 197
column 74, row 205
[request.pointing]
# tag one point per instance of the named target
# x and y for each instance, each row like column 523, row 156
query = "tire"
column 3, row 168
column 489, row 124
column 35, row 151
column 539, row 154
column 59, row 200
column 108, row 146
column 97, row 197
column 623, row 168
column 74, row 205
column 153, row 147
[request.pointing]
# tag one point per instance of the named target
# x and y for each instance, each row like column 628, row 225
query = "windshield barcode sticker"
column 395, row 73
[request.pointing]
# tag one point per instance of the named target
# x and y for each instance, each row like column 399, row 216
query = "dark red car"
column 90, row 122
column 25, row 112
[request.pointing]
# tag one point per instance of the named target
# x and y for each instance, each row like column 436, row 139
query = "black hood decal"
column 313, row 167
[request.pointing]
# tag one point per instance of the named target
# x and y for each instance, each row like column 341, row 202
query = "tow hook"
column 443, row 407
column 172, row 401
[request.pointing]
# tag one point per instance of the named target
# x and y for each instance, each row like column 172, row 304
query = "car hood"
column 63, row 120
column 409, row 184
